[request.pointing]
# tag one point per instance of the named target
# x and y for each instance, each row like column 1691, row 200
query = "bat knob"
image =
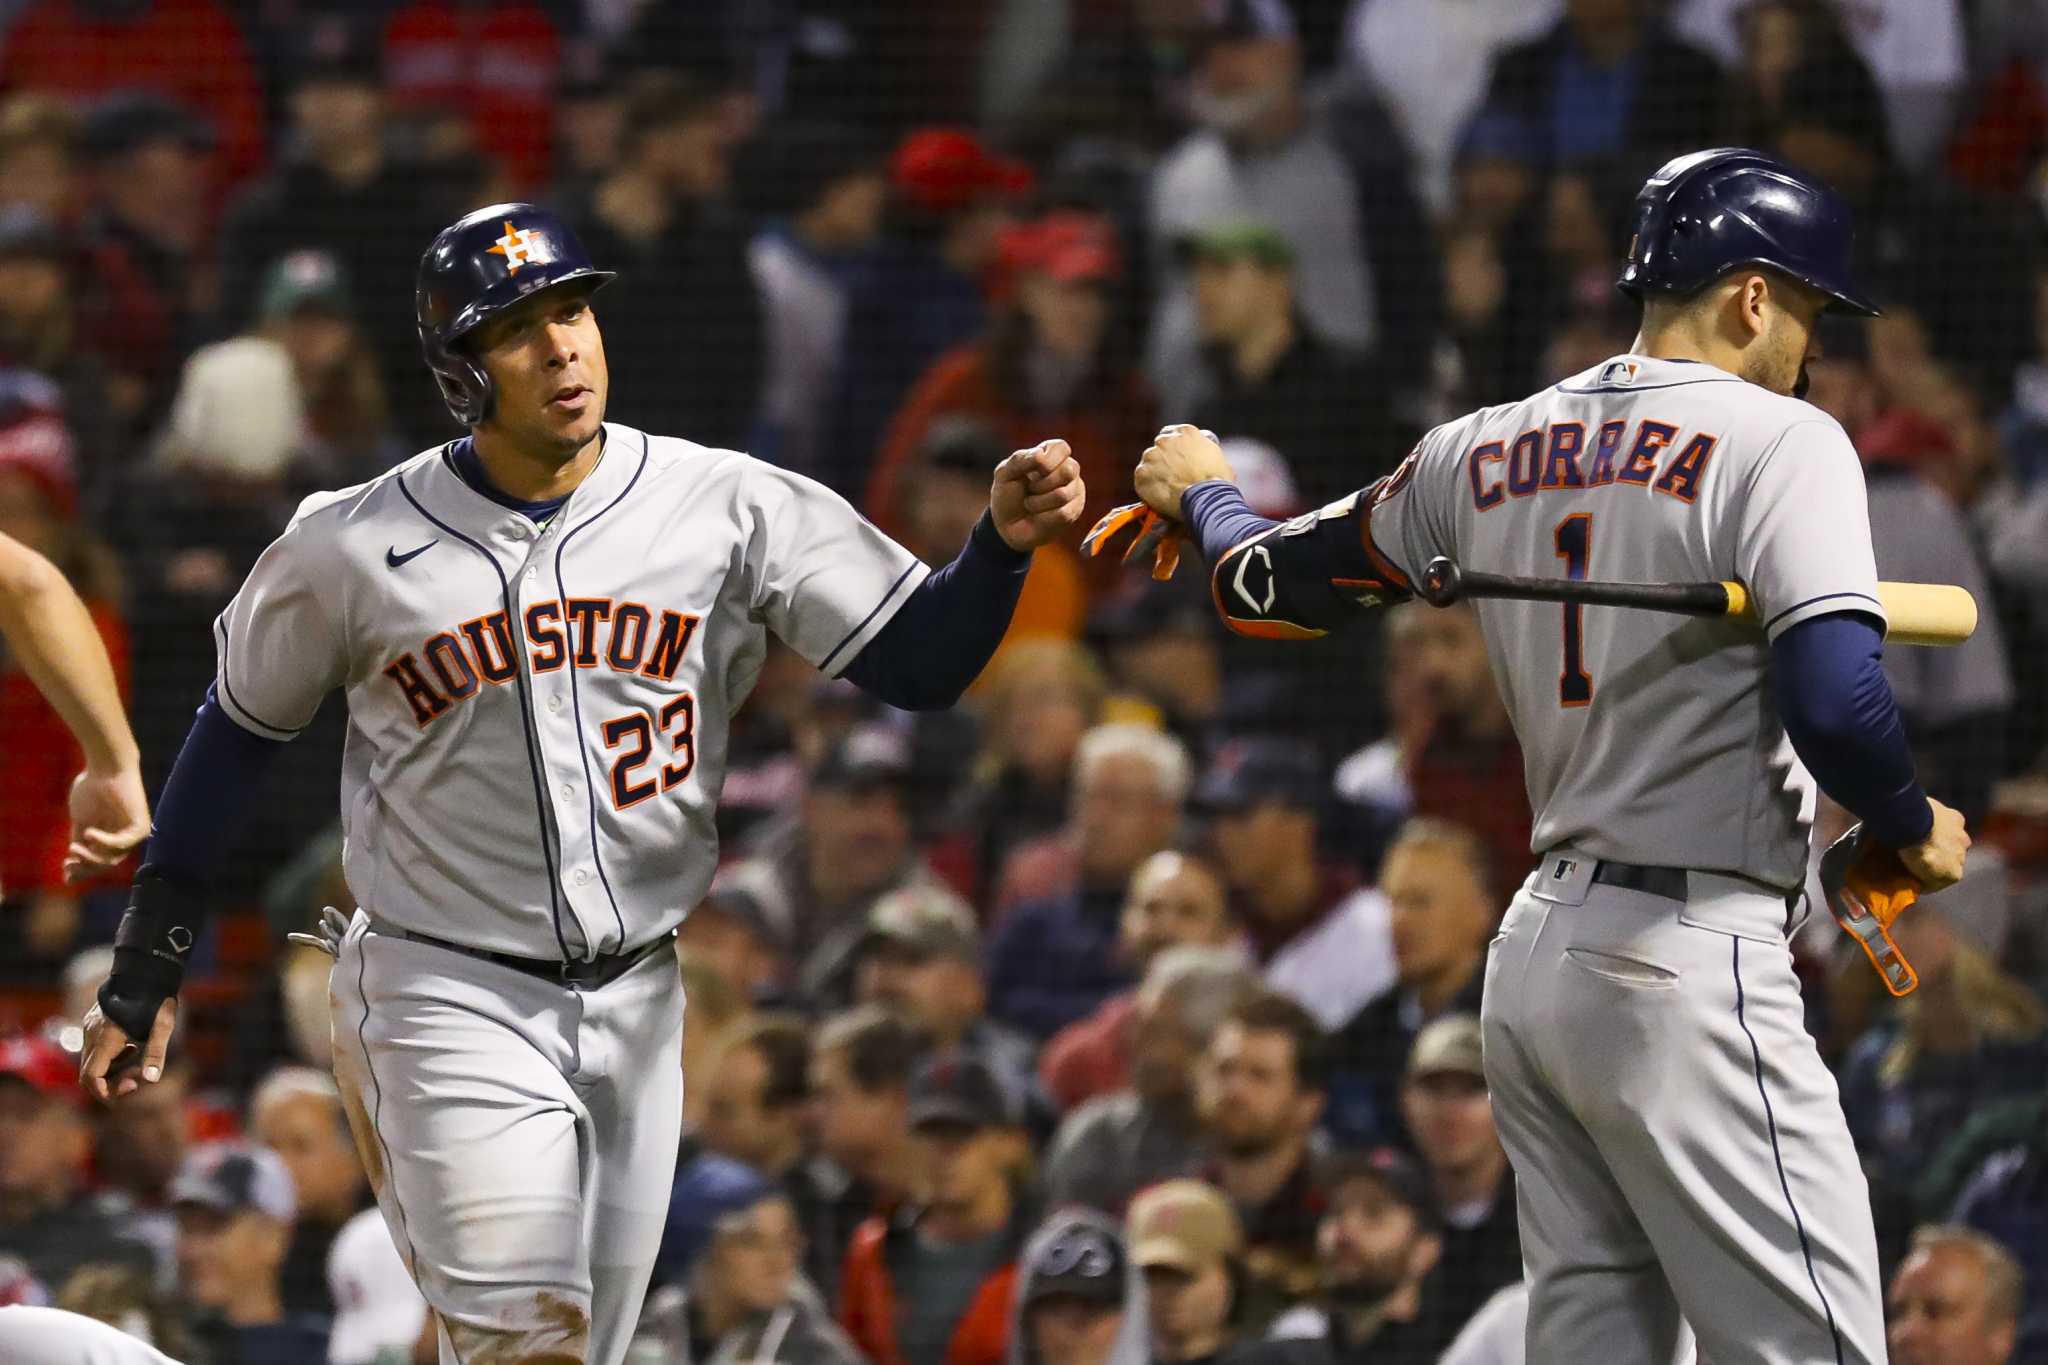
column 1441, row 582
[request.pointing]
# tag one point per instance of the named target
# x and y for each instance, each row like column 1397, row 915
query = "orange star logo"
column 518, row 247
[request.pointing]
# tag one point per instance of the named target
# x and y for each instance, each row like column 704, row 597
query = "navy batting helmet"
column 1707, row 213
column 479, row 266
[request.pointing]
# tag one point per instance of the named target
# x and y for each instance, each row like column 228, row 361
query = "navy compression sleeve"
column 206, row 800
column 946, row 631
column 1220, row 518
column 1838, row 710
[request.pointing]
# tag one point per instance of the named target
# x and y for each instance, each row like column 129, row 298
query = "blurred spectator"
column 823, row 192
column 922, row 958
column 1607, row 80
column 344, row 192
column 1375, row 1248
column 1165, row 651
column 711, row 1006
column 662, row 220
column 1430, row 62
column 1185, row 1238
column 757, row 1088
column 39, row 508
column 1118, row 1143
column 1449, row 1116
column 39, row 157
column 936, row 1283
column 1047, row 364
column 141, row 240
column 1080, row 1300
column 139, row 1146
column 1174, row 899
column 1955, row 1301
column 951, row 198
column 188, row 51
column 944, row 495
column 1053, row 960
column 1451, row 752
column 235, row 1209
column 742, row 1296
column 1314, row 936
column 308, row 308
column 1434, row 879
column 1834, row 126
column 296, row 1112
column 736, row 933
column 1954, row 700
column 850, row 844
column 1969, row 1037
column 2007, row 1199
column 590, row 119
column 1916, row 50
column 1261, row 1094
column 39, row 331
column 861, row 1065
column 1335, row 183
column 1035, row 703
column 124, row 1297
column 495, row 63
column 379, row 1314
column 1762, row 42
column 46, row 1218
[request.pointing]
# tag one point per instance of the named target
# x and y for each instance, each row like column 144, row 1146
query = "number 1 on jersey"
column 1574, row 540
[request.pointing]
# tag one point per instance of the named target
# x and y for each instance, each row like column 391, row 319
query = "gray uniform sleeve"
column 1409, row 522
column 278, row 643
column 818, row 574
column 1803, row 534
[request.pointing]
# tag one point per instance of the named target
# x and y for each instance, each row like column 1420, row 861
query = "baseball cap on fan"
column 1387, row 1168
column 1449, row 1046
column 945, row 170
column 1183, row 1225
column 34, row 1061
column 228, row 1177
column 1068, row 246
column 1250, row 772
column 958, row 1092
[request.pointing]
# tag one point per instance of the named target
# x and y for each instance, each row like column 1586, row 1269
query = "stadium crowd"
column 1137, row 1022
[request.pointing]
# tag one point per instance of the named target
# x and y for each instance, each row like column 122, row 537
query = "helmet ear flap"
column 465, row 385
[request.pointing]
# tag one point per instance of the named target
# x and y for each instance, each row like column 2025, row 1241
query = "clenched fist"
column 1179, row 458
column 1037, row 495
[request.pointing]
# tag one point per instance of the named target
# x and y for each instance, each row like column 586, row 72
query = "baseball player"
column 49, row 631
column 542, row 630
column 1678, row 1144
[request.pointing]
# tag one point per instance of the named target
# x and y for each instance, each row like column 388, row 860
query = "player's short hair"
column 1121, row 741
column 881, row 1049
column 1265, row 1011
column 1660, row 307
column 292, row 1082
column 1995, row 1265
column 784, row 1042
column 1202, row 982
column 1429, row 831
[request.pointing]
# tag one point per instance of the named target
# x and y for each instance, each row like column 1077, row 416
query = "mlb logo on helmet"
column 521, row 246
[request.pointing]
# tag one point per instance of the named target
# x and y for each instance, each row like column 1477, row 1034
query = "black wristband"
column 151, row 948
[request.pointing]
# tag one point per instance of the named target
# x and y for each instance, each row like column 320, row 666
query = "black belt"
column 580, row 975
column 1668, row 882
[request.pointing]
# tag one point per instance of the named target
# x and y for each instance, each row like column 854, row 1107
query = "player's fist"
column 1037, row 495
column 109, row 817
column 1179, row 457
column 1937, row 861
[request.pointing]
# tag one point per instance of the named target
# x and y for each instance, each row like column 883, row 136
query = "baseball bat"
column 1919, row 613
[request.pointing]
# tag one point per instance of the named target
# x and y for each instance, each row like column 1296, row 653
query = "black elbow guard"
column 1308, row 576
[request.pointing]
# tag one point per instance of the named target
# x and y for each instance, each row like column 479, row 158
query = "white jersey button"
column 568, row 790
column 582, row 877
column 554, row 704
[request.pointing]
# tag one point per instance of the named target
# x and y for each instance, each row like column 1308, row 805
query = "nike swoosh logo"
column 393, row 559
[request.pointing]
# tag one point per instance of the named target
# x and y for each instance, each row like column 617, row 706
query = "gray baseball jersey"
column 1647, row 738
column 538, row 713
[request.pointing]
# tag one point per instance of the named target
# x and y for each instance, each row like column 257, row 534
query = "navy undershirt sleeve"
column 205, row 803
column 1838, row 709
column 946, row 631
column 1220, row 518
